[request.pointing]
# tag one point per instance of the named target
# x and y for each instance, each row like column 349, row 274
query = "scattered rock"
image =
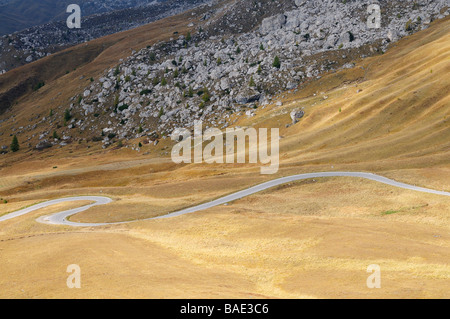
column 43, row 145
column 296, row 115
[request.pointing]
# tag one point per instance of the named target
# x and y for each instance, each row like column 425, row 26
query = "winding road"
column 61, row 217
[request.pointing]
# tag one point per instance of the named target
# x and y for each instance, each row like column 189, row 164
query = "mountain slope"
column 388, row 114
column 17, row 15
column 392, row 112
column 219, row 60
column 313, row 239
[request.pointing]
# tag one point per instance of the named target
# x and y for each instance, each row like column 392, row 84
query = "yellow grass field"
column 389, row 115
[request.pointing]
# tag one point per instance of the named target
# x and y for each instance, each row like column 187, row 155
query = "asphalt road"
column 61, row 217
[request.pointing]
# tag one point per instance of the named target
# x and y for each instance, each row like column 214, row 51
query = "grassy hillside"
column 315, row 238
column 68, row 66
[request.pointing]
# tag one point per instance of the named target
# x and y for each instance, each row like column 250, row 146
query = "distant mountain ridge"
column 31, row 44
column 17, row 15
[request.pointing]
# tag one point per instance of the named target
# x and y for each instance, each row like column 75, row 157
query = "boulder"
column 273, row 23
column 43, row 145
column 247, row 96
column 296, row 115
column 224, row 84
column 292, row 20
column 107, row 85
column 345, row 38
column 392, row 35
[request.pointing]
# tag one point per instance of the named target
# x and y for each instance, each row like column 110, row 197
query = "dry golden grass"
column 313, row 238
column 317, row 244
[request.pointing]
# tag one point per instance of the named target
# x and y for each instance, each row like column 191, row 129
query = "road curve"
column 53, row 219
column 61, row 218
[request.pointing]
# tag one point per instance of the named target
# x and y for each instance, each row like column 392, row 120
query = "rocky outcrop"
column 296, row 115
column 216, row 76
column 42, row 145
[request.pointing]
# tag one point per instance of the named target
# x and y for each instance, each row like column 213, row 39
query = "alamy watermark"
column 374, row 19
column 74, row 279
column 74, row 20
column 234, row 140
column 374, row 280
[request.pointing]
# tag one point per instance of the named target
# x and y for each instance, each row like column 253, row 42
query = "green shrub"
column 252, row 82
column 408, row 25
column 352, row 37
column 15, row 144
column 145, row 92
column 67, row 115
column 123, row 107
column 206, row 96
column 38, row 86
column 390, row 212
column 276, row 62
